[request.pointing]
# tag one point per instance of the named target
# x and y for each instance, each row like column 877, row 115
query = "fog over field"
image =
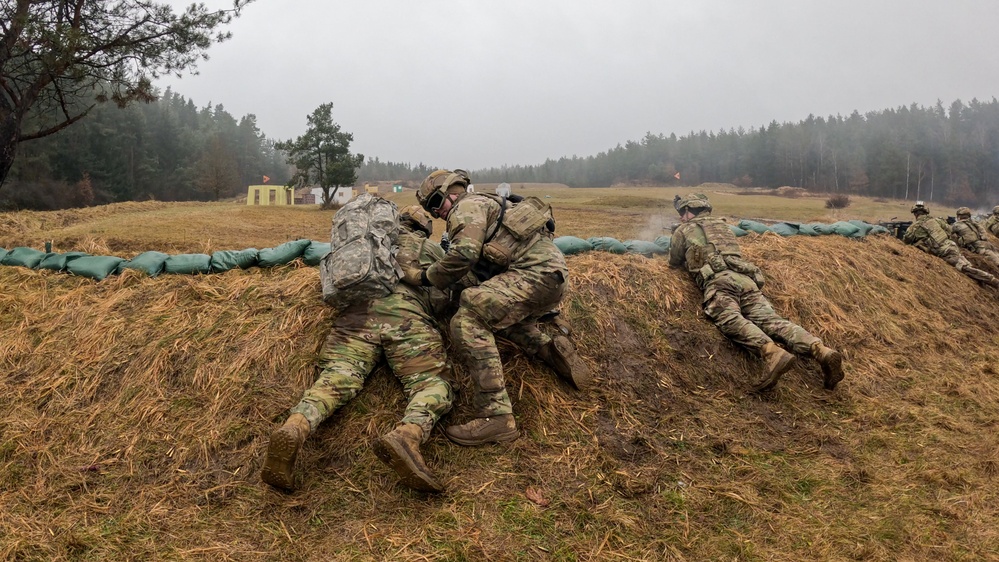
column 463, row 84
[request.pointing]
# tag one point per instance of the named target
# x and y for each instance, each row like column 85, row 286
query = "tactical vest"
column 719, row 253
column 968, row 233
column 521, row 224
column 992, row 224
column 936, row 230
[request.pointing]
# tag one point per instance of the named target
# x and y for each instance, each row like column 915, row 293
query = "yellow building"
column 270, row 195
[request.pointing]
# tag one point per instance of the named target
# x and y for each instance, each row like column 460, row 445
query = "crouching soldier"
column 732, row 299
column 400, row 326
column 970, row 235
column 932, row 235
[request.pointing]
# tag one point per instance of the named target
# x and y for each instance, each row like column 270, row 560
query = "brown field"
column 135, row 411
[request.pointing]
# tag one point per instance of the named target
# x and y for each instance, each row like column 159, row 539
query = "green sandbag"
column 878, row 229
column 189, row 264
column 647, row 249
column 784, row 229
column 864, row 227
column 94, row 267
column 608, row 244
column 844, row 228
column 57, row 262
column 224, row 260
column 315, row 252
column 738, row 231
column 665, row 241
column 285, row 253
column 3, row 254
column 571, row 245
column 150, row 262
column 753, row 226
column 24, row 257
column 812, row 229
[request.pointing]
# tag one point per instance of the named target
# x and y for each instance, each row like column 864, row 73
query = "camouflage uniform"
column 400, row 325
column 505, row 301
column 732, row 299
column 932, row 235
column 970, row 235
column 992, row 223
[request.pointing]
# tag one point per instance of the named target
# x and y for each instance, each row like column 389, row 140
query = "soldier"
column 932, row 235
column 400, row 326
column 732, row 297
column 520, row 278
column 992, row 223
column 970, row 235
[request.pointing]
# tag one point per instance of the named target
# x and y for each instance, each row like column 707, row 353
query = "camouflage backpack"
column 360, row 265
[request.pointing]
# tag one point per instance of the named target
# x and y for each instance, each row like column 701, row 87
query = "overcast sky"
column 479, row 83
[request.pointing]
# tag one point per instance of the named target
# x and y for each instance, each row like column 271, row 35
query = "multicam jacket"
column 992, row 224
column 473, row 218
column 417, row 251
column 929, row 234
column 968, row 234
column 707, row 246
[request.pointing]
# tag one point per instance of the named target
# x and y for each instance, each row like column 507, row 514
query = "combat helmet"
column 416, row 218
column 434, row 188
column 995, row 210
column 963, row 212
column 691, row 201
column 919, row 208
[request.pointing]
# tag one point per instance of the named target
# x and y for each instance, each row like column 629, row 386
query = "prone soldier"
column 970, row 235
column 932, row 235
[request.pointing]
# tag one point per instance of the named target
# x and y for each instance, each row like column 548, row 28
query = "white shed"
column 341, row 197
column 503, row 190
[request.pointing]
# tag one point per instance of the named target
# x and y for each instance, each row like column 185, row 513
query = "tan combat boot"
column 777, row 361
column 831, row 362
column 561, row 356
column 495, row 429
column 279, row 467
column 400, row 449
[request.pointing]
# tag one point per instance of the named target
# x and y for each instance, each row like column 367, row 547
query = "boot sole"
column 571, row 367
column 279, row 467
column 832, row 375
column 501, row 438
column 771, row 381
column 411, row 475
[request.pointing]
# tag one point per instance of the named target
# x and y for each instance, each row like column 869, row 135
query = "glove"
column 415, row 276
column 758, row 279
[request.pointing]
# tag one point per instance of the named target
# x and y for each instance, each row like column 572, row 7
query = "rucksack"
column 360, row 265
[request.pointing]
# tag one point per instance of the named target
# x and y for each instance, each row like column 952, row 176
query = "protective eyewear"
column 434, row 202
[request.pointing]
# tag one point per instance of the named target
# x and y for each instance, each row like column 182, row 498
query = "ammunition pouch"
column 519, row 227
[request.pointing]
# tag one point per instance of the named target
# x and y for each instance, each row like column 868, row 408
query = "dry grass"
column 136, row 411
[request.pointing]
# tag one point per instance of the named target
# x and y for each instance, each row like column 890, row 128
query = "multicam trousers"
column 397, row 327
column 987, row 251
column 740, row 311
column 950, row 253
column 508, row 304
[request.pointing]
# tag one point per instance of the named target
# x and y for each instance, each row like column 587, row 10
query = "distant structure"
column 470, row 188
column 277, row 195
column 396, row 188
column 371, row 188
column 503, row 190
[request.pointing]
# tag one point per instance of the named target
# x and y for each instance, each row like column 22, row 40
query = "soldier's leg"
column 991, row 256
column 758, row 310
column 724, row 310
column 952, row 255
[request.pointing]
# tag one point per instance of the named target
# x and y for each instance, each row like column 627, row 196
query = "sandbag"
column 784, row 229
column 844, row 228
column 810, row 229
column 151, row 263
column 738, row 231
column 570, row 245
column 607, row 244
column 647, row 249
column 315, row 252
column 24, row 257
column 224, row 260
column 753, row 226
column 665, row 241
column 864, row 227
column 94, row 267
column 57, row 262
column 878, row 229
column 188, row 264
column 285, row 253
column 3, row 254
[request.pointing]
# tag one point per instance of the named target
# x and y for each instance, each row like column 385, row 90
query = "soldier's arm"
column 677, row 248
column 466, row 229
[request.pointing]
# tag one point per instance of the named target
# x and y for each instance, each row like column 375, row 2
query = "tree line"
column 934, row 153
column 169, row 150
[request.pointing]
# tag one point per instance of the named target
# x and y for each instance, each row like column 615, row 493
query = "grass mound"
column 136, row 412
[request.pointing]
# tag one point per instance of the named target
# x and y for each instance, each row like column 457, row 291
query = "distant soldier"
column 401, row 327
column 932, row 235
column 521, row 276
column 970, row 235
column 731, row 284
column 992, row 223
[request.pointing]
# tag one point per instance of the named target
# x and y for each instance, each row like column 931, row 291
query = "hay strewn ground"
column 136, row 411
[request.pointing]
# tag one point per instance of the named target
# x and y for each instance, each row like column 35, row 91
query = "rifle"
column 897, row 228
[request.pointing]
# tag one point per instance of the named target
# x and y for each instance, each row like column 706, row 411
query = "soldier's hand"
column 413, row 276
column 759, row 279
